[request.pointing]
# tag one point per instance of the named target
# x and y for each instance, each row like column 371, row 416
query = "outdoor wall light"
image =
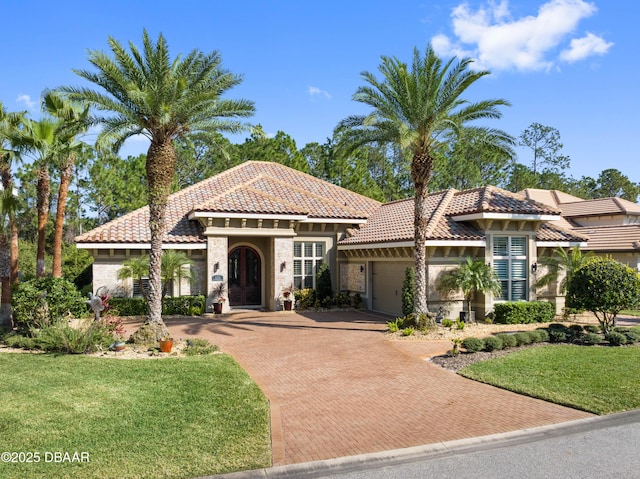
column 283, row 266
column 534, row 268
column 362, row 268
column 216, row 267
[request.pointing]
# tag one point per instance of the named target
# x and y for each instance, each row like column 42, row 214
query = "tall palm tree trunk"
column 66, row 172
column 160, row 166
column 13, row 230
column 43, row 187
column 420, row 172
column 5, row 282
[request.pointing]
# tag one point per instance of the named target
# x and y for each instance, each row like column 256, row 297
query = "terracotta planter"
column 287, row 304
column 166, row 345
column 217, row 308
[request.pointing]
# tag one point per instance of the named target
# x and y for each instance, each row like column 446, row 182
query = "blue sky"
column 570, row 64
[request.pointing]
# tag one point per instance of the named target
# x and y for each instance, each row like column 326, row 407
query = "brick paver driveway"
column 338, row 388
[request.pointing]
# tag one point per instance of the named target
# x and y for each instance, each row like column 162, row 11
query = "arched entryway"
column 244, row 277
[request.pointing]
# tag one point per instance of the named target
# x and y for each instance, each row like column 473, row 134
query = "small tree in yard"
column 473, row 276
column 407, row 291
column 605, row 287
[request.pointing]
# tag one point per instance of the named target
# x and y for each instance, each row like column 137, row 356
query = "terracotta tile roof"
column 572, row 206
column 612, row 238
column 549, row 197
column 490, row 199
column 393, row 222
column 251, row 187
column 600, row 207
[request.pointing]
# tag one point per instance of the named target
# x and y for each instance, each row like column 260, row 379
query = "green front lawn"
column 170, row 418
column 601, row 380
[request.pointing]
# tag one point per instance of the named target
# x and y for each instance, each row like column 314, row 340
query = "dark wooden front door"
column 244, row 277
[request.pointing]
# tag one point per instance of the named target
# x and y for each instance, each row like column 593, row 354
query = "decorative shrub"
column 508, row 340
column 357, row 300
column 407, row 291
column 632, row 335
column 343, row 300
column 393, row 326
column 459, row 325
column 85, row 338
column 199, row 346
column 408, row 331
column 534, row 336
column 522, row 312
column 305, row 298
column 575, row 331
column 447, row 323
column 473, row 345
column 589, row 339
column 557, row 336
column 492, row 343
column 522, row 338
column 40, row 301
column 323, row 284
column 19, row 341
column 615, row 339
column 184, row 305
column 605, row 287
column 544, row 335
column 592, row 328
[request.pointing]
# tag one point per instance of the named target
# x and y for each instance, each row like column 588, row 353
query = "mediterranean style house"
column 262, row 227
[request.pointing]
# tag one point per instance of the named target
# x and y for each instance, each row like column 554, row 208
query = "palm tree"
column 562, row 260
column 175, row 266
column 7, row 208
column 147, row 93
column 73, row 120
column 473, row 276
column 137, row 269
column 9, row 127
column 420, row 109
column 41, row 140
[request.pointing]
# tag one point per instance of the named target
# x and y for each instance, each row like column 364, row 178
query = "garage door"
column 387, row 286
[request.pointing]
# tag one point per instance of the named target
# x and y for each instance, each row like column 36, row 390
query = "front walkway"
column 338, row 388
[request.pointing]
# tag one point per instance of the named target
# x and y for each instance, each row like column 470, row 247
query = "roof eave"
column 506, row 216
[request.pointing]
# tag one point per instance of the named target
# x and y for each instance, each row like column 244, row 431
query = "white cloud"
column 26, row 99
column 315, row 91
column 497, row 41
column 581, row 48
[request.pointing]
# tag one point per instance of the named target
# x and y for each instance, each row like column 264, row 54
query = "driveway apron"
column 338, row 387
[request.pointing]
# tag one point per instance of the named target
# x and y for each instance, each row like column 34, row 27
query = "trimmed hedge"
column 523, row 312
column 181, row 305
column 473, row 345
column 492, row 343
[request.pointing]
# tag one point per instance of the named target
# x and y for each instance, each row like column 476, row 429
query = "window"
column 510, row 264
column 307, row 258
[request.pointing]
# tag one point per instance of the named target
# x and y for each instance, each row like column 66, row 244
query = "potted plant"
column 287, row 294
column 218, row 292
column 166, row 344
column 473, row 276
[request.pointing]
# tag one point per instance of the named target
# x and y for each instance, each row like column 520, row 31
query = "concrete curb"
column 361, row 462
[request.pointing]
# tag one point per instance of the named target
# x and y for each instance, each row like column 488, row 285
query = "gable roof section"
column 253, row 187
column 489, row 199
column 393, row 222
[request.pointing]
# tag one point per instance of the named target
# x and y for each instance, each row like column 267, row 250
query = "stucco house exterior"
column 261, row 227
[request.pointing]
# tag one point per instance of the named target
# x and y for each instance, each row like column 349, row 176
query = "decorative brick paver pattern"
column 338, row 388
